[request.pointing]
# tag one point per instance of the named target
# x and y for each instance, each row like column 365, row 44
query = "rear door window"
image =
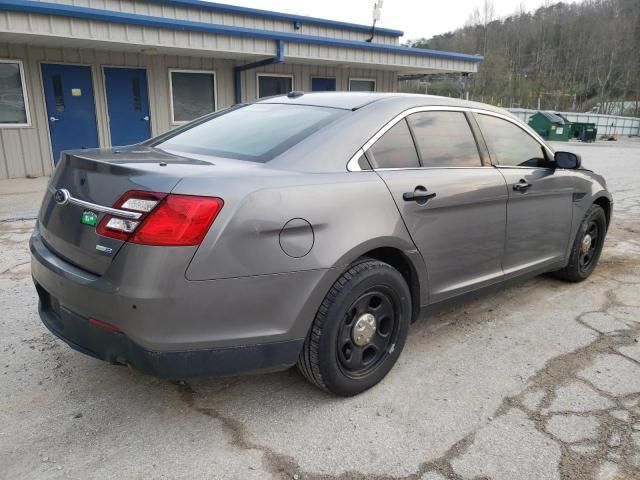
column 395, row 149
column 444, row 139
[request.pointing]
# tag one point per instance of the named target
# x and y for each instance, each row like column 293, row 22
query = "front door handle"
column 420, row 195
column 522, row 186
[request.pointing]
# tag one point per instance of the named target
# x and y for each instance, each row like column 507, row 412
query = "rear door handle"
column 522, row 186
column 420, row 195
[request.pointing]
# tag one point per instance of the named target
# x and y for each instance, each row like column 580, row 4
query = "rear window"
column 257, row 132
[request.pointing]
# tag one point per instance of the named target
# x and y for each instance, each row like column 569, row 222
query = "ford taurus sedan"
column 305, row 228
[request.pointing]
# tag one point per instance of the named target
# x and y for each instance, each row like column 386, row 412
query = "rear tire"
column 359, row 330
column 587, row 246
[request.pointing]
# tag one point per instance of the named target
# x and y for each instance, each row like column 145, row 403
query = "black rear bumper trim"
column 117, row 348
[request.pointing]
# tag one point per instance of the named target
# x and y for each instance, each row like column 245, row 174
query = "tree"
column 575, row 55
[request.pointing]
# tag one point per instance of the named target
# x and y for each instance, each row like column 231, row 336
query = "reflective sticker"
column 76, row 92
column 89, row 218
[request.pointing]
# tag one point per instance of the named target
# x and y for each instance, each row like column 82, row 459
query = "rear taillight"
column 165, row 220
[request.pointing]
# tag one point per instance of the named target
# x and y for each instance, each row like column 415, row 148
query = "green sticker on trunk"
column 89, row 218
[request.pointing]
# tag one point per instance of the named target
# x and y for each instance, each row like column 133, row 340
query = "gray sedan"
column 306, row 228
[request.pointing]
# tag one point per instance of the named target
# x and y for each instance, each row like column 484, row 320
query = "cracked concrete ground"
column 539, row 381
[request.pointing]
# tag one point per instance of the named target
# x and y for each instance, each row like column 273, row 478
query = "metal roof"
column 72, row 11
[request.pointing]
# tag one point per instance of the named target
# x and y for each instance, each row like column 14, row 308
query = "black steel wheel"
column 367, row 331
column 359, row 330
column 587, row 246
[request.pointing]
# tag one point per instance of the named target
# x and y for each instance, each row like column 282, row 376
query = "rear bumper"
column 117, row 348
column 173, row 327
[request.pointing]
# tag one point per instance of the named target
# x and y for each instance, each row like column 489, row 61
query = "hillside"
column 583, row 57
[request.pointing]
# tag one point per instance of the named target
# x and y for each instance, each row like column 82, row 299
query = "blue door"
column 323, row 84
column 71, row 111
column 128, row 105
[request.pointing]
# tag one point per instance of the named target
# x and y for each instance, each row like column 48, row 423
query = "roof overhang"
column 330, row 51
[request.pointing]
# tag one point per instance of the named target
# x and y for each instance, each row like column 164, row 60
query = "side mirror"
column 567, row 160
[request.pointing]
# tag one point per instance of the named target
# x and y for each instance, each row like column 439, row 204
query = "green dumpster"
column 583, row 131
column 551, row 126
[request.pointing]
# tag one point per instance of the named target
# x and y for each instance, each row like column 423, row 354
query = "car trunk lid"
column 96, row 179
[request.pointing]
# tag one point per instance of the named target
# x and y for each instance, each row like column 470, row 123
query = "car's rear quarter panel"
column 345, row 211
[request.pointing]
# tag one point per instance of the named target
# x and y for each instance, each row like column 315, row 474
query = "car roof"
column 357, row 100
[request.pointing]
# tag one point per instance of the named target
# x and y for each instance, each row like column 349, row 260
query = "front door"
column 540, row 198
column 452, row 205
column 71, row 112
column 127, row 105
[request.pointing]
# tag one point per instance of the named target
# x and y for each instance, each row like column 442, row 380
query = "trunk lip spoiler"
column 62, row 197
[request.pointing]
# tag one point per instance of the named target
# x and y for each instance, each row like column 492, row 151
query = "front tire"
column 587, row 246
column 359, row 330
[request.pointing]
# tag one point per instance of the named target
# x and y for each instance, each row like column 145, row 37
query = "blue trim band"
column 62, row 10
column 286, row 17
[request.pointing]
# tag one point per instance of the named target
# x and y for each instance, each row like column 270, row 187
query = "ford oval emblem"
column 61, row 196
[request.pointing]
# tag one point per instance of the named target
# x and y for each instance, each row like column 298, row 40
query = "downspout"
column 279, row 58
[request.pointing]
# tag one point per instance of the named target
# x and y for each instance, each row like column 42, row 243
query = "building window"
column 362, row 85
column 323, row 84
column 14, row 107
column 269, row 84
column 193, row 94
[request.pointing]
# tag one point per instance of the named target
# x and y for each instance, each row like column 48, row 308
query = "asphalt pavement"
column 538, row 381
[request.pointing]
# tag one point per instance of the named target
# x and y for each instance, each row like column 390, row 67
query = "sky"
column 417, row 18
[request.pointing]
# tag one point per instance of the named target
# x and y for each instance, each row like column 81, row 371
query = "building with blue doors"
column 99, row 73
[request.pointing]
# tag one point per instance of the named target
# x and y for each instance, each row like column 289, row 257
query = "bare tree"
column 573, row 55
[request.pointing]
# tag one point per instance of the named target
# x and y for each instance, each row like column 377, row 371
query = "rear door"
column 68, row 92
column 539, row 211
column 127, row 105
column 452, row 204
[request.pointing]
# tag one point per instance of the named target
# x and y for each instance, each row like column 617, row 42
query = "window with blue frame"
column 323, row 84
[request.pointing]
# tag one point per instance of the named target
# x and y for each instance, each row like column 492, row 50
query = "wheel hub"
column 586, row 243
column 364, row 329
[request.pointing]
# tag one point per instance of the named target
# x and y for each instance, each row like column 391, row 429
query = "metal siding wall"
column 307, row 52
column 26, row 151
column 207, row 16
column 132, row 35
column 386, row 81
column 138, row 37
column 21, row 148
